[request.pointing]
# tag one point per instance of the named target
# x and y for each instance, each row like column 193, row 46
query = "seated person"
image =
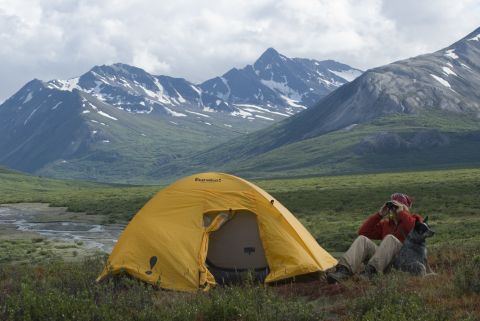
column 364, row 256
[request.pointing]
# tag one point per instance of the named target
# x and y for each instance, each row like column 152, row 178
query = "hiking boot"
column 341, row 273
column 368, row 273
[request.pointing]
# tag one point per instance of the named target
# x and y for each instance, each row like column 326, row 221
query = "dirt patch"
column 311, row 289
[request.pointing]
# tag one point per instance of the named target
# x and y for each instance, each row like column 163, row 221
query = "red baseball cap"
column 403, row 199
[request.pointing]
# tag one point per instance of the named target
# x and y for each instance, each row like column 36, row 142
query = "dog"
column 412, row 257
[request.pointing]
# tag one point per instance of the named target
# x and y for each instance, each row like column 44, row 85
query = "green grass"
column 331, row 207
column 264, row 154
column 114, row 202
column 140, row 143
column 31, row 251
column 66, row 291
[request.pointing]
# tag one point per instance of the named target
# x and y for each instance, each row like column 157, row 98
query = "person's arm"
column 406, row 221
column 372, row 227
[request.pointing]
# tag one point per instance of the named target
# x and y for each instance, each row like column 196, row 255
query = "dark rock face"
column 33, row 116
column 385, row 142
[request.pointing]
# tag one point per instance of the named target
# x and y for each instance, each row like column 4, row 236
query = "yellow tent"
column 213, row 221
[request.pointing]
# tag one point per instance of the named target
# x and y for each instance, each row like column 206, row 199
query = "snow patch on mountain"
column 158, row 84
column 260, row 109
column 329, row 82
column 242, row 113
column 150, row 109
column 229, row 90
column 450, row 53
column 442, row 81
column 283, row 88
column 263, row 117
column 198, row 114
column 348, row 75
column 28, row 98
column 157, row 96
column 65, row 85
column 476, row 38
column 30, row 116
column 180, row 97
column 349, row 127
column 447, row 71
column 208, row 109
column 292, row 102
column 174, row 113
column 56, row 105
column 104, row 114
column 199, row 91
column 92, row 106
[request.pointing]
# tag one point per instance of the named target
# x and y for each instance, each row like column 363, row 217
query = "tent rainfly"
column 207, row 223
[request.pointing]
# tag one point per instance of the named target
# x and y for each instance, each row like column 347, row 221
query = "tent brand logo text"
column 208, row 180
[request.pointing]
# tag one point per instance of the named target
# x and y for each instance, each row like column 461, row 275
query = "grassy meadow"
column 114, row 202
column 330, row 207
column 396, row 142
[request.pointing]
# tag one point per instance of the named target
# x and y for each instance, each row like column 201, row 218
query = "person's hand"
column 383, row 210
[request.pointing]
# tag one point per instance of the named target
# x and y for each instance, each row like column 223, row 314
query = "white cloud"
column 145, row 59
column 201, row 39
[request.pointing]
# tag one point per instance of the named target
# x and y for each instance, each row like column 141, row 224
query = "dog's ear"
column 426, row 219
column 417, row 224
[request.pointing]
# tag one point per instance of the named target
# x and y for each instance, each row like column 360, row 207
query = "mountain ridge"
column 442, row 84
column 223, row 100
column 97, row 125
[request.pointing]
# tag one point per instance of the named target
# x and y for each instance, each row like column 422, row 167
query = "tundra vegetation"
column 38, row 284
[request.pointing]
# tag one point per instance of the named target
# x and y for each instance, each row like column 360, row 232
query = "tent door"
column 236, row 248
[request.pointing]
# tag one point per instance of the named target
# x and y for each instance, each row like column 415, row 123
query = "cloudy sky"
column 196, row 39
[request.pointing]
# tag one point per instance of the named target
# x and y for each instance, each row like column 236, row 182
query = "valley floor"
column 330, row 207
column 45, row 231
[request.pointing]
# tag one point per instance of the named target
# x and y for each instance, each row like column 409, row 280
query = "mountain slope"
column 417, row 106
column 118, row 122
column 73, row 134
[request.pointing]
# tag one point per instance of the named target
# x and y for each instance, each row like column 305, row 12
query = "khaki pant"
column 365, row 251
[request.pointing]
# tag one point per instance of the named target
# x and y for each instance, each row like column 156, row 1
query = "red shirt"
column 376, row 228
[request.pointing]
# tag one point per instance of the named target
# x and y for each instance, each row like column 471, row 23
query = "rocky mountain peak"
column 269, row 55
column 270, row 59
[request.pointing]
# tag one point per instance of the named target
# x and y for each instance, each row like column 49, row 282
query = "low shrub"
column 388, row 302
column 67, row 291
column 250, row 303
column 467, row 276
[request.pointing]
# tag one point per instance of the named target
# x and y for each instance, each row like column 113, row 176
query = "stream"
column 57, row 224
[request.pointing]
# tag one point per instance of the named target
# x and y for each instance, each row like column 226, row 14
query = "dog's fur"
column 412, row 257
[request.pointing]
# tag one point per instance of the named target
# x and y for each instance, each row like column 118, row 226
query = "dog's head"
column 422, row 230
